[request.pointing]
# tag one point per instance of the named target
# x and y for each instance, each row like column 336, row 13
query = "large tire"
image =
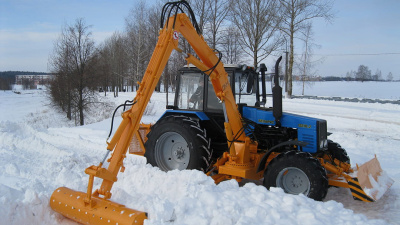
column 337, row 152
column 178, row 142
column 297, row 173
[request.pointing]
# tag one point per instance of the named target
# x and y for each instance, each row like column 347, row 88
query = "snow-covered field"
column 40, row 151
column 354, row 89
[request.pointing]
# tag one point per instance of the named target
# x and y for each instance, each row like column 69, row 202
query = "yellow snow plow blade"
column 372, row 180
column 74, row 205
column 367, row 182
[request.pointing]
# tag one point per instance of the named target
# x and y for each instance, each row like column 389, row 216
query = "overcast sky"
column 364, row 32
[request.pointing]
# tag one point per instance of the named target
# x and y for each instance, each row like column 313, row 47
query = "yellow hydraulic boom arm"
column 90, row 207
column 168, row 40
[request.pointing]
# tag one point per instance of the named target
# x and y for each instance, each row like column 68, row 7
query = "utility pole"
column 286, row 67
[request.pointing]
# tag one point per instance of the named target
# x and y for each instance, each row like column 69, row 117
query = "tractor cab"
column 195, row 98
column 194, row 90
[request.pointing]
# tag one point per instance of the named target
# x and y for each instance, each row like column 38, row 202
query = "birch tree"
column 306, row 63
column 137, row 43
column 389, row 77
column 296, row 14
column 72, row 61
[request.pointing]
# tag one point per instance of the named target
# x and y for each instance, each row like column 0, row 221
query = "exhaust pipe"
column 277, row 95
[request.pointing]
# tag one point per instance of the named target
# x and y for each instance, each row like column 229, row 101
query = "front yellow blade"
column 370, row 182
column 72, row 204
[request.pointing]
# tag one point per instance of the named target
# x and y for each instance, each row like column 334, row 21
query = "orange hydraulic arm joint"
column 241, row 163
column 131, row 118
column 219, row 78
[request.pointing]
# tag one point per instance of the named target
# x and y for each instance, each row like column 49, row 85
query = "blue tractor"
column 191, row 133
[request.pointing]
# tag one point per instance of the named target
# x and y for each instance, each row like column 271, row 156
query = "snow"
column 350, row 89
column 379, row 186
column 41, row 151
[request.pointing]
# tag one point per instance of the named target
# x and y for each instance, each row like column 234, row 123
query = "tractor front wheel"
column 178, row 142
column 337, row 152
column 297, row 173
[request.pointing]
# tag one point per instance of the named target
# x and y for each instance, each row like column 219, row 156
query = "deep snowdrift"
column 40, row 152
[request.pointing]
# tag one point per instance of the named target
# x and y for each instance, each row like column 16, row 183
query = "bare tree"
column 257, row 22
column 389, row 77
column 61, row 65
column 104, row 67
column 137, row 43
column 82, row 46
column 201, row 9
column 218, row 12
column 118, row 61
column 230, row 46
column 363, row 73
column 377, row 76
column 153, row 25
column 72, row 61
column 350, row 75
column 296, row 14
column 5, row 83
column 305, row 63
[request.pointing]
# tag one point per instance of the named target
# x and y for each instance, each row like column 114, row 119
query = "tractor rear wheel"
column 297, row 173
column 178, row 142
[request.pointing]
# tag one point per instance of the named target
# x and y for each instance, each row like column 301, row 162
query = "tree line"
column 242, row 30
column 363, row 73
column 7, row 78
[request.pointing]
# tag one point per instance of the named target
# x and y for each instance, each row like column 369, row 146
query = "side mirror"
column 262, row 68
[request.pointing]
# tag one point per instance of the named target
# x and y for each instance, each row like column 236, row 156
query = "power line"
column 360, row 54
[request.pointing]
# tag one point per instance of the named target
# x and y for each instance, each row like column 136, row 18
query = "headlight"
column 323, row 144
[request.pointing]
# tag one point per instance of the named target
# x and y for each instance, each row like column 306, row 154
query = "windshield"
column 191, row 88
column 191, row 96
column 213, row 102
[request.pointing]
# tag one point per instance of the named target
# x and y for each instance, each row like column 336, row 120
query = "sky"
column 363, row 32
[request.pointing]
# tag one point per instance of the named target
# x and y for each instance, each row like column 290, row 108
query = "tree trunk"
column 69, row 111
column 80, row 107
column 291, row 62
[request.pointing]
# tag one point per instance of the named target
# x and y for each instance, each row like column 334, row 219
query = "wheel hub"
column 297, row 182
column 293, row 181
column 172, row 152
column 178, row 152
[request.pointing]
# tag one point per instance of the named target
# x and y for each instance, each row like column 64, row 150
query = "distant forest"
column 8, row 77
column 11, row 74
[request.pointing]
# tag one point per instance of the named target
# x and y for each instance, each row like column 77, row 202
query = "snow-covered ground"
column 40, row 151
